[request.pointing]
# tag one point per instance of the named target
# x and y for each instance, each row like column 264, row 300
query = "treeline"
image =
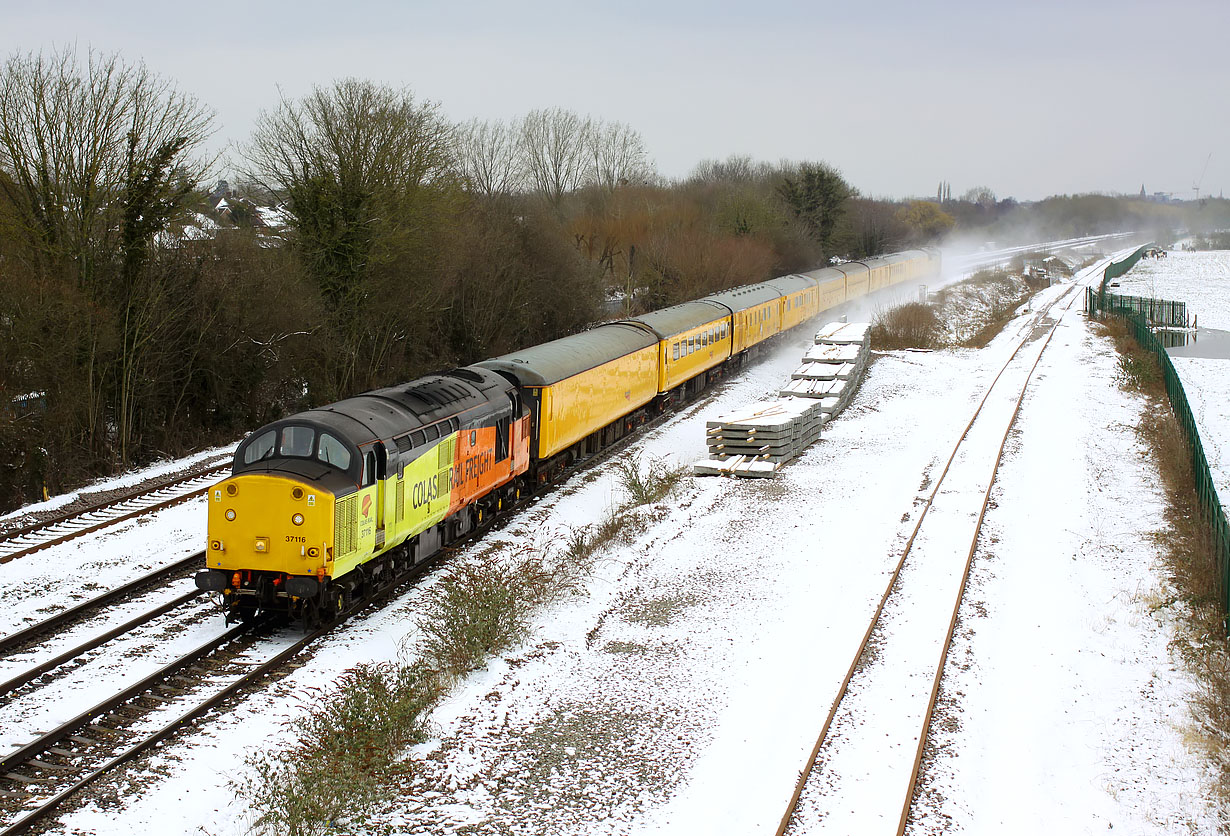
column 978, row 214
column 366, row 241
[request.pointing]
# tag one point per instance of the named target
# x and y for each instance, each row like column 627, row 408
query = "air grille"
column 345, row 525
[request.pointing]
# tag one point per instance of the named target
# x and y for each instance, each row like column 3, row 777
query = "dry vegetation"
column 349, row 738
column 1191, row 555
column 966, row 315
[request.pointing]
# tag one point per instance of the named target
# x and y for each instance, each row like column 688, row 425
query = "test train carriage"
column 332, row 502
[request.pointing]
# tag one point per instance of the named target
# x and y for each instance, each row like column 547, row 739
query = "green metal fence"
column 1100, row 301
column 1163, row 312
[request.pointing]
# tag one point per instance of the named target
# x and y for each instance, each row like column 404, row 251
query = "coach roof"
column 549, row 363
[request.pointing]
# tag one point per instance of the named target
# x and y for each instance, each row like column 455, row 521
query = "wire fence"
column 1100, row 302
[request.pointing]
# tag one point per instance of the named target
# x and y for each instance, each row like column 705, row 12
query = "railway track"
column 19, row 542
column 26, row 636
column 882, row 712
column 40, row 775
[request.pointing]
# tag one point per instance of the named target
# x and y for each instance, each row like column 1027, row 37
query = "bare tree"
column 99, row 161
column 552, row 151
column 981, row 195
column 73, row 137
column 735, row 169
column 616, row 155
column 487, row 157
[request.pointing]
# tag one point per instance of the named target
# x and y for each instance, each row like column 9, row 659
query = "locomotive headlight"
column 297, row 519
column 230, row 514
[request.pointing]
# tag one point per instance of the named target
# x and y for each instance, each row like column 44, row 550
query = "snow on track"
column 867, row 761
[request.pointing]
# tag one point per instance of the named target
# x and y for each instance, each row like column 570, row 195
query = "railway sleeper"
column 23, row 779
column 50, row 767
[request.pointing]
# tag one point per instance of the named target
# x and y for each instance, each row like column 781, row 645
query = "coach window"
column 333, row 452
column 675, row 351
column 704, row 338
column 297, row 441
column 261, row 447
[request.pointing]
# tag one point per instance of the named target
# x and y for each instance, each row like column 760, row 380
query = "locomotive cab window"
column 297, row 441
column 260, row 447
column 333, row 452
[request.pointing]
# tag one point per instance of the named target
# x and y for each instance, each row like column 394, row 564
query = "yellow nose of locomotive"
column 261, row 522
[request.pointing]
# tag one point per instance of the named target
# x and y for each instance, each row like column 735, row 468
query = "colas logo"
column 367, row 505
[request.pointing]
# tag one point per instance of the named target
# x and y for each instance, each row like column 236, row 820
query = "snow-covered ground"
column 1202, row 280
column 682, row 691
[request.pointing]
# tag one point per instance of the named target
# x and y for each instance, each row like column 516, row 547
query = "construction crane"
column 1200, row 179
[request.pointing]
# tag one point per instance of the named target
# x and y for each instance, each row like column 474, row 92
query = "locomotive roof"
column 676, row 319
column 382, row 414
column 747, row 296
column 543, row 365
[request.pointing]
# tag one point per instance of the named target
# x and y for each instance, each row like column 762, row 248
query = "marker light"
column 230, row 514
column 297, row 519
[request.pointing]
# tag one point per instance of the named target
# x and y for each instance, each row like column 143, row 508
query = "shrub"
column 648, row 483
column 350, row 737
column 913, row 325
column 481, row 607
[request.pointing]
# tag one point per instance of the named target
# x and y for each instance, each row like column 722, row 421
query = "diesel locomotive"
column 329, row 503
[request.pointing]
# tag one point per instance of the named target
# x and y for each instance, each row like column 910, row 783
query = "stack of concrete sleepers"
column 831, row 368
column 757, row 440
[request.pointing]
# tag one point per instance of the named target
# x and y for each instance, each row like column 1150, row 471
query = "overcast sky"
column 1027, row 97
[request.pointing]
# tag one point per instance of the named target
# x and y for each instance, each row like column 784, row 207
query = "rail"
column 1005, row 411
